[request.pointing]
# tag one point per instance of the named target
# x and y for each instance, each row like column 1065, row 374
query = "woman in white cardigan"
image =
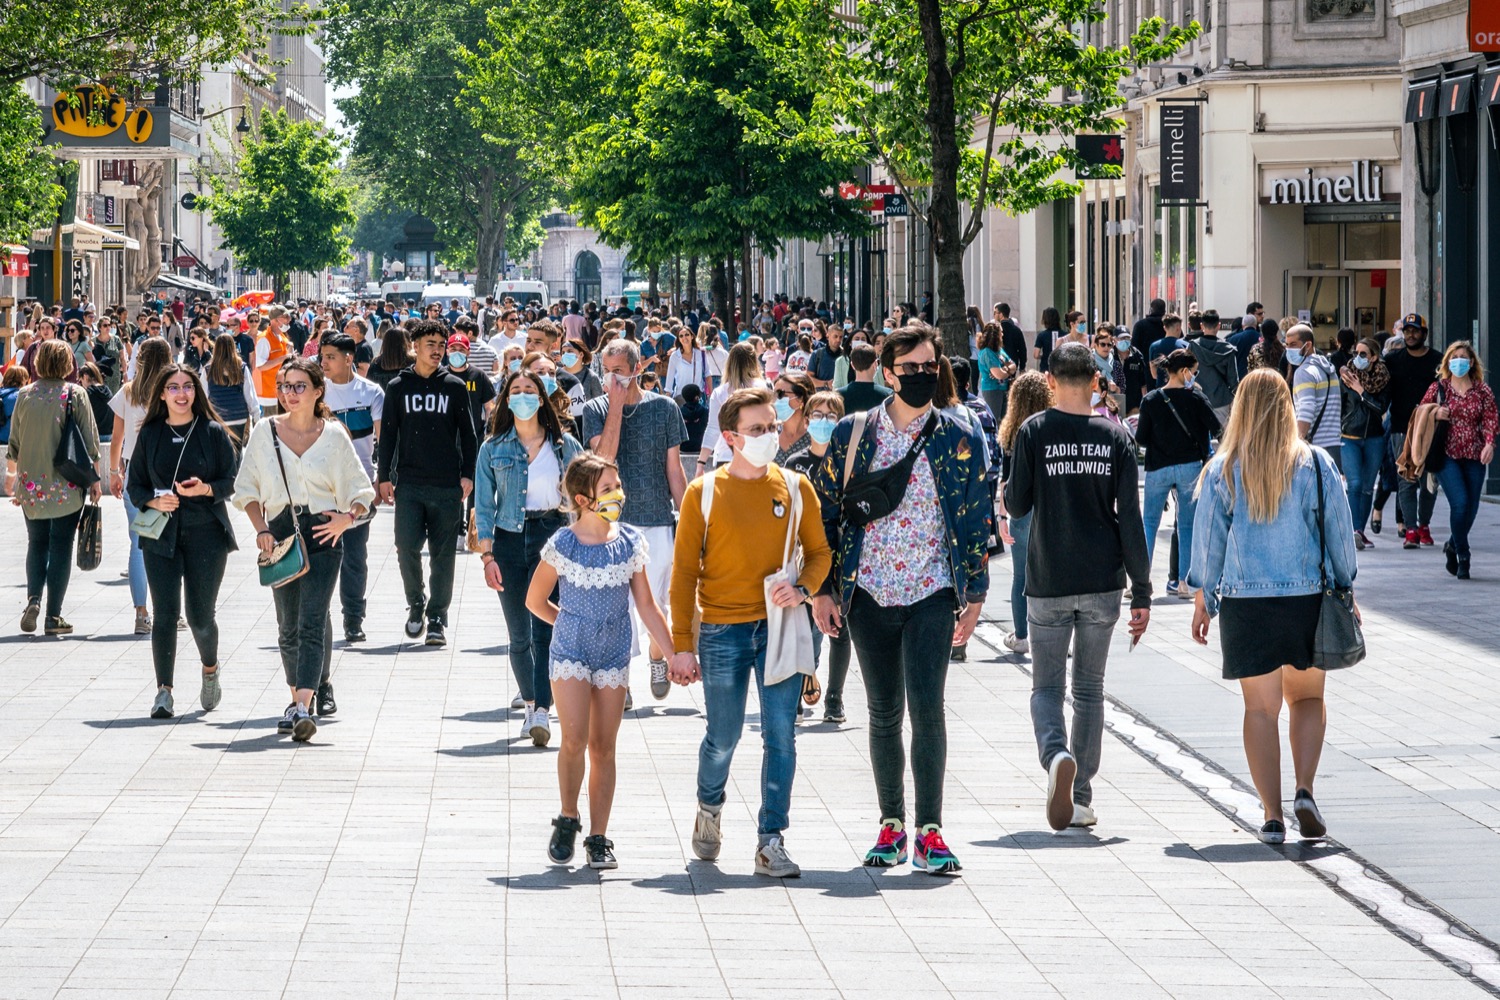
column 300, row 473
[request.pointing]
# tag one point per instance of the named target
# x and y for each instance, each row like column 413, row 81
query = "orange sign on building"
column 1484, row 25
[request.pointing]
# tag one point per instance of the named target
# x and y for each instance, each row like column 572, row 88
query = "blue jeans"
column 1183, row 480
column 1020, row 530
column 1462, row 480
column 518, row 553
column 727, row 656
column 137, row 565
column 1362, row 458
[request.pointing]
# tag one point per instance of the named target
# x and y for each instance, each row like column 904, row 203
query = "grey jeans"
column 1088, row 621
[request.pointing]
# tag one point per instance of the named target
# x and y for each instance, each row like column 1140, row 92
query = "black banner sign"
column 1181, row 152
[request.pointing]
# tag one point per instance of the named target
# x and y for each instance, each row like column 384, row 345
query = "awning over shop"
column 15, row 262
column 186, row 284
column 86, row 236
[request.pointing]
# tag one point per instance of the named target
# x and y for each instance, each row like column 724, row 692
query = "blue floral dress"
column 591, row 641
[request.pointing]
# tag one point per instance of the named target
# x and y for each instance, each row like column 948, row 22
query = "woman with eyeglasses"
column 792, row 393
column 183, row 466
column 1366, row 398
column 301, row 474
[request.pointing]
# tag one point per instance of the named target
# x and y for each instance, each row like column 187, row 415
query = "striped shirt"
column 1315, row 386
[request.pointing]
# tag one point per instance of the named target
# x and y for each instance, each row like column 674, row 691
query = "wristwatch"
column 803, row 591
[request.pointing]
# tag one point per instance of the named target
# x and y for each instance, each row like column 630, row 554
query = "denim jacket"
column 500, row 480
column 1234, row 556
column 958, row 469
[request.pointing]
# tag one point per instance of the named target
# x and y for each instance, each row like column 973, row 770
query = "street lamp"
column 241, row 127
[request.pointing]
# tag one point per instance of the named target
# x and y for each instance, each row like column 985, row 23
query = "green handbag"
column 287, row 560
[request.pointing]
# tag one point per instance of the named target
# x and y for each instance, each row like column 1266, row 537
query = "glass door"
column 1320, row 299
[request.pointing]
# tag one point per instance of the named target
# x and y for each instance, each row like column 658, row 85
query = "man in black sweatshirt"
column 427, row 449
column 1077, row 471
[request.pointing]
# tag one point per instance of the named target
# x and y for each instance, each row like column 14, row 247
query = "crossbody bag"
column 150, row 522
column 875, row 494
column 287, row 560
column 1339, row 642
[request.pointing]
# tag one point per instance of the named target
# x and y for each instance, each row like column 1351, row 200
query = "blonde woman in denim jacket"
column 1256, row 566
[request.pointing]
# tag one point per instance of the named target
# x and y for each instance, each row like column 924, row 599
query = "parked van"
column 524, row 292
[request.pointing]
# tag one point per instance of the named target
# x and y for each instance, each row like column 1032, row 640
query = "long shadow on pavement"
column 1045, row 840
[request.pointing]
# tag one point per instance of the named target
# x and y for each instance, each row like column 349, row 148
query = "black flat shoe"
column 1309, row 820
column 326, row 704
column 601, row 852
column 565, row 830
column 1451, row 558
column 1274, row 832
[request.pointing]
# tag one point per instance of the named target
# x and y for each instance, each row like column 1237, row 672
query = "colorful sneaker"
column 1413, row 539
column 932, row 855
column 1424, row 535
column 890, row 847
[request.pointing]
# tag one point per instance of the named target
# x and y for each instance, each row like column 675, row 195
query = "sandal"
column 812, row 691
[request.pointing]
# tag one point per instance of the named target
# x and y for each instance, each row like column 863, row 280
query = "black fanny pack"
column 875, row 494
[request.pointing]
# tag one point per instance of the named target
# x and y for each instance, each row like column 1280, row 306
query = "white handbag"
column 789, row 639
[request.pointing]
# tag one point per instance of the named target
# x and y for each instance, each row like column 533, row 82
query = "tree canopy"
column 284, row 206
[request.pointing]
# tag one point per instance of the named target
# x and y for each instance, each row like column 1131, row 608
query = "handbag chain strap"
column 186, row 438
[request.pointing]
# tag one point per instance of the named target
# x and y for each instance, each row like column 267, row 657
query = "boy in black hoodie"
column 427, row 450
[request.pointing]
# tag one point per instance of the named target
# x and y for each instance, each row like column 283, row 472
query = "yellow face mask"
column 610, row 505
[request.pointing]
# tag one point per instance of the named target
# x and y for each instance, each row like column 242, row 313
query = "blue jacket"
column 958, row 469
column 500, row 480
column 1234, row 556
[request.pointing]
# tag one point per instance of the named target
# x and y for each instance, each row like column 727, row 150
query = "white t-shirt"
column 358, row 405
column 499, row 342
column 133, row 416
column 797, row 361
column 542, row 480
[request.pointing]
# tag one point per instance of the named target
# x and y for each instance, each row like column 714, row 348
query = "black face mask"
column 917, row 390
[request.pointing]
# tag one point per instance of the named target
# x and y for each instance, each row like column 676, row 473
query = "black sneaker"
column 959, row 654
column 435, row 635
column 833, row 710
column 414, row 623
column 1309, row 819
column 1273, row 832
column 564, row 830
column 354, row 630
column 57, row 626
column 601, row 852
column 284, row 726
column 303, row 726
column 326, row 704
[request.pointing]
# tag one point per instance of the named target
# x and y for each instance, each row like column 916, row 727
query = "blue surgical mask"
column 524, row 404
column 1459, row 366
column 569, row 359
column 1124, row 345
column 457, row 359
column 887, row 329
column 1294, row 356
column 783, row 409
column 821, row 429
column 1094, row 400
column 515, row 365
column 1190, row 380
column 1361, row 362
column 549, row 383
column 848, row 326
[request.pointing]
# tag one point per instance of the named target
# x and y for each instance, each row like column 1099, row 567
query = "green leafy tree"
column 412, row 130
column 29, row 192
column 685, row 130
column 284, row 206
column 964, row 102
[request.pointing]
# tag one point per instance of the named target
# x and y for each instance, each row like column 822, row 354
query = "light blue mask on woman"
column 1459, row 366
column 783, row 409
column 549, row 383
column 821, row 429
column 524, row 405
column 569, row 359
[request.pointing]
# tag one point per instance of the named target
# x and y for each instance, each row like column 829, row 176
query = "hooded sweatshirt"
column 426, row 431
column 1218, row 369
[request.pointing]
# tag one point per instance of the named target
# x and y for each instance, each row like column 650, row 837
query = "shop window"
column 1323, row 244
column 1372, row 241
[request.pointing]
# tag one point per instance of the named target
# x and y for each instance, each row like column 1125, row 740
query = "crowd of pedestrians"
column 731, row 497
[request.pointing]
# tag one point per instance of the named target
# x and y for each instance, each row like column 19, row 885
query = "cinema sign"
column 1363, row 183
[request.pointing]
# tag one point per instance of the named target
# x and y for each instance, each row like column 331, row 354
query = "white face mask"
column 759, row 451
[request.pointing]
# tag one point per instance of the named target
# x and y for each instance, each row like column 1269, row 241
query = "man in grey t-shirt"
column 642, row 434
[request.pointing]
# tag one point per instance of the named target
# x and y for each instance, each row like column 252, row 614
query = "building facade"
column 575, row 263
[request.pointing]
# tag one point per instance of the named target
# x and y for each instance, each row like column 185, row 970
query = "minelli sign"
column 1363, row 184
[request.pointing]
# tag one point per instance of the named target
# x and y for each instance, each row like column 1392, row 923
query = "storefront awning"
column 1489, row 87
column 186, row 284
column 86, row 236
column 1421, row 101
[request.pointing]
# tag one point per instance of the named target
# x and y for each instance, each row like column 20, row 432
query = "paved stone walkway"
column 401, row 854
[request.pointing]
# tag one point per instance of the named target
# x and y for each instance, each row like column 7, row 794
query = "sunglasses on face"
column 916, row 368
column 788, row 394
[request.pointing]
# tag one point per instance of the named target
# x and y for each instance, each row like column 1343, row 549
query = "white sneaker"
column 1060, row 775
column 527, row 713
column 1017, row 645
column 771, row 859
column 541, row 729
column 706, row 837
column 518, row 701
column 1083, row 816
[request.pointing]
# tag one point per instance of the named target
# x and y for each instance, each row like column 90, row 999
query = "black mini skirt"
column 1259, row 634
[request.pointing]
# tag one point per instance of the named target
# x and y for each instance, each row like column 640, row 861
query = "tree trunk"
column 653, row 284
column 489, row 242
column 676, row 283
column 744, row 283
column 721, row 288
column 690, row 294
column 944, row 218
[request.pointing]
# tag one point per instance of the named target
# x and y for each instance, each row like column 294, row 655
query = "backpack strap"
column 855, row 436
column 707, row 504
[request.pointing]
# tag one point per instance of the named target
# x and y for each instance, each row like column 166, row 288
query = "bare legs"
column 590, row 721
column 1302, row 690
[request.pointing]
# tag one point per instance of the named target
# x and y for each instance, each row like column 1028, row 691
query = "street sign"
column 1180, row 141
column 184, row 260
column 189, row 201
column 1100, row 151
column 79, row 279
column 895, row 204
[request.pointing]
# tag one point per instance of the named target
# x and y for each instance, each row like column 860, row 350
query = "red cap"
column 459, row 340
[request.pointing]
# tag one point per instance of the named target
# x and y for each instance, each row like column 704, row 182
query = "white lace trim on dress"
column 572, row 670
column 596, row 577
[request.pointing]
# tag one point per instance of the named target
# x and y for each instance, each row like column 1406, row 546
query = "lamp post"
column 242, row 126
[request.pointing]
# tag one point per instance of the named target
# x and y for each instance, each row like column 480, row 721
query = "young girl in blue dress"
column 597, row 565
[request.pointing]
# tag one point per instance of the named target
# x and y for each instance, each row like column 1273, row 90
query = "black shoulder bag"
column 72, row 460
column 1340, row 641
column 875, row 494
column 1202, row 451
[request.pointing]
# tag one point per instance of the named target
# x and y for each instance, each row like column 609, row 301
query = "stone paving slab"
column 401, row 854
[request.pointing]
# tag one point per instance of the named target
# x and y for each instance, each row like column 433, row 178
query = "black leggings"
column 195, row 567
column 49, row 558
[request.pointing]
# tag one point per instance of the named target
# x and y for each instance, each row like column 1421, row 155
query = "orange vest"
column 265, row 379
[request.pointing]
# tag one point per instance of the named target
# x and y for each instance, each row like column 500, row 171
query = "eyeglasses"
column 914, row 368
column 183, row 389
column 788, row 394
column 295, row 388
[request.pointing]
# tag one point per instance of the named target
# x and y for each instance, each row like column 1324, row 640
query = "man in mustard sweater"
column 721, row 567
